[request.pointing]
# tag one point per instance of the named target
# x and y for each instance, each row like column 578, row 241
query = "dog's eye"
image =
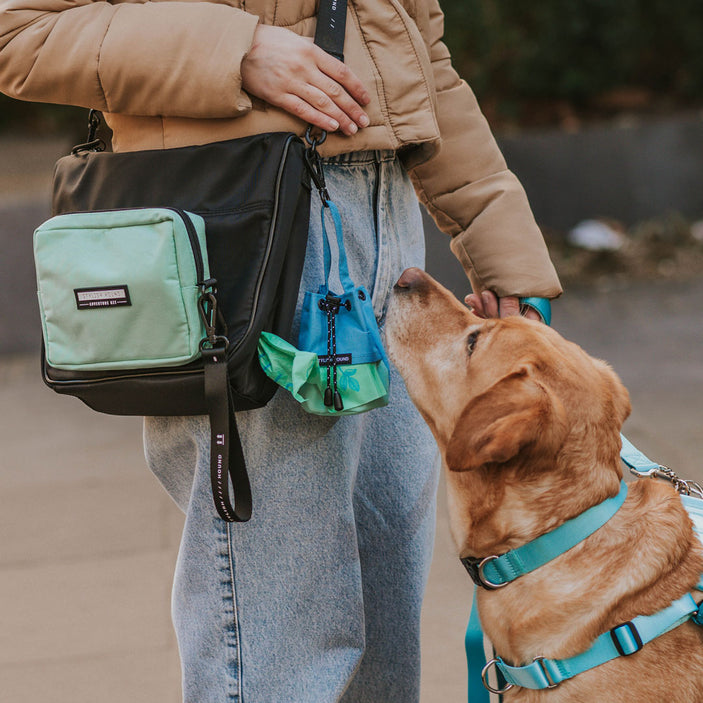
column 471, row 342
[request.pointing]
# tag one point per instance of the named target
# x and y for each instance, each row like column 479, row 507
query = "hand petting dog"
column 487, row 304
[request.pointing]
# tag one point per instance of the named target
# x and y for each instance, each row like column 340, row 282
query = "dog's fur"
column 528, row 425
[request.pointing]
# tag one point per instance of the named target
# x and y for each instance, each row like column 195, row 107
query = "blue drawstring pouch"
column 339, row 366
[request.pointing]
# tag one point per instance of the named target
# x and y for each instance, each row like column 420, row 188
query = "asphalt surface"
column 89, row 540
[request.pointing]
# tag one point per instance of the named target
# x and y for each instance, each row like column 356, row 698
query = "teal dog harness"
column 497, row 571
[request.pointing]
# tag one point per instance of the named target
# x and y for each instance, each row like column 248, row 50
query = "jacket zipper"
column 194, row 242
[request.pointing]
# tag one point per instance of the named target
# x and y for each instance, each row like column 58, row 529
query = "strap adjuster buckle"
column 697, row 617
column 634, row 634
column 550, row 681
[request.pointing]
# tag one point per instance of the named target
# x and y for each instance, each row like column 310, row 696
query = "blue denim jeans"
column 316, row 599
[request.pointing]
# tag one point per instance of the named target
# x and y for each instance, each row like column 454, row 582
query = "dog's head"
column 503, row 392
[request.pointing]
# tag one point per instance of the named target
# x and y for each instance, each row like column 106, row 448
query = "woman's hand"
column 488, row 304
column 291, row 72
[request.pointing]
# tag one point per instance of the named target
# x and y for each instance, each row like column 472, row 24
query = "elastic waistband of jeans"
column 374, row 156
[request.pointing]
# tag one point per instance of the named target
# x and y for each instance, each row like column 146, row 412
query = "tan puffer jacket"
column 167, row 74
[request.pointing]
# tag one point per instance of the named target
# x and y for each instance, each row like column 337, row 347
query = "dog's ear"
column 497, row 425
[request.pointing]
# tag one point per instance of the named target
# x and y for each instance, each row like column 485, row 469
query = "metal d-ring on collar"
column 475, row 568
column 495, row 571
column 495, row 662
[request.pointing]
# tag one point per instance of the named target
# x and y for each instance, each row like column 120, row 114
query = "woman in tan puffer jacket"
column 318, row 598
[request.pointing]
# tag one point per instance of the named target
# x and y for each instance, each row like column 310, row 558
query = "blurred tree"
column 587, row 55
column 41, row 118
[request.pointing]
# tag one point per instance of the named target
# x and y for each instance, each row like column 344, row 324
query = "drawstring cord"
column 331, row 305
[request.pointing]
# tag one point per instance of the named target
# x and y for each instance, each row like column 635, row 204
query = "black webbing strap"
column 226, row 456
column 331, row 23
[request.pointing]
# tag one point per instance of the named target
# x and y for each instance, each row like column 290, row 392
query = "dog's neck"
column 496, row 509
column 633, row 564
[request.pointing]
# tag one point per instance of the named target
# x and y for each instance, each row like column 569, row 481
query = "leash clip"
column 314, row 164
column 209, row 314
column 682, row 486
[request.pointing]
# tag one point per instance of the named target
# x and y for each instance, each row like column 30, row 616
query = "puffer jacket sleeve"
column 140, row 58
column 472, row 196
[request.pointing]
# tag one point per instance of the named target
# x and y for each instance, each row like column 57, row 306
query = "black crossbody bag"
column 254, row 195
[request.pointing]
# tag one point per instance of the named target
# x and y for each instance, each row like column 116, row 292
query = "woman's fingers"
column 487, row 304
column 509, row 306
column 490, row 303
column 341, row 74
column 531, row 314
column 290, row 72
column 301, row 108
column 473, row 300
column 334, row 103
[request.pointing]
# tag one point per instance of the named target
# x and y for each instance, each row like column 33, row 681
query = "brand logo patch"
column 103, row 297
column 339, row 360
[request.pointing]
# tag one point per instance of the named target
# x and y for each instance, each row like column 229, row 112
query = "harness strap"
column 497, row 571
column 621, row 641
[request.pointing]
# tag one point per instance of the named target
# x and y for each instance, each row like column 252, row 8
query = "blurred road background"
column 600, row 118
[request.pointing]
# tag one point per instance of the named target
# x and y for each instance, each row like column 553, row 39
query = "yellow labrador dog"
column 528, row 425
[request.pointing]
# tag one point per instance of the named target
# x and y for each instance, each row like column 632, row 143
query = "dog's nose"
column 411, row 278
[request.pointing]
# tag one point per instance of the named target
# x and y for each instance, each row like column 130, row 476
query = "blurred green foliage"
column 534, row 61
column 585, row 53
column 41, row 118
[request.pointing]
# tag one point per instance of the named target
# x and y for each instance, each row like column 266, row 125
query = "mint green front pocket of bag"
column 119, row 289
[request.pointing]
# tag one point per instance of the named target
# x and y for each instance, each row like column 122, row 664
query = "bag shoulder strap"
column 331, row 25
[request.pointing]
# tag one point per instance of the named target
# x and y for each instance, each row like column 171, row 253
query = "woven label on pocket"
column 103, row 297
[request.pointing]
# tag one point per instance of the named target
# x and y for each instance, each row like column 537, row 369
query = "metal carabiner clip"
column 314, row 163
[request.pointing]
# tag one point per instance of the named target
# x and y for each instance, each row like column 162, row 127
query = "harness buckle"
column 475, row 568
column 634, row 634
